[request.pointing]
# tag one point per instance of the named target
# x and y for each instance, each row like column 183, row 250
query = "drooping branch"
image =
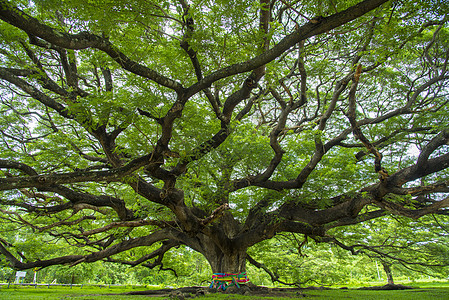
column 377, row 250
column 47, row 180
column 64, row 222
column 273, row 275
column 130, row 224
column 34, row 92
column 437, row 187
column 86, row 156
column 357, row 219
column 18, row 265
column 148, row 240
column 159, row 253
column 77, row 200
column 398, row 209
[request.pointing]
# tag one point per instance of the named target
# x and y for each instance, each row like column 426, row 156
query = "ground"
column 425, row 290
column 249, row 290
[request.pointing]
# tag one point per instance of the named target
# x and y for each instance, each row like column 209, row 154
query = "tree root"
column 195, row 291
column 388, row 286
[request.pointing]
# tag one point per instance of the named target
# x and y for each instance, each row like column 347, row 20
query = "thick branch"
column 46, row 180
column 82, row 40
column 159, row 253
column 217, row 213
column 399, row 209
column 439, row 140
column 56, row 224
column 35, row 93
column 351, row 114
column 129, row 224
column 358, row 219
column 308, row 30
column 274, row 276
column 416, row 171
column 100, row 255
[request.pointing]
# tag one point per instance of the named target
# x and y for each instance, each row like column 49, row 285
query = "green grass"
column 418, row 294
column 59, row 293
column 428, row 291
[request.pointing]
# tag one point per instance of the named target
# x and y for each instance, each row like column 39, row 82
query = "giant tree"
column 129, row 128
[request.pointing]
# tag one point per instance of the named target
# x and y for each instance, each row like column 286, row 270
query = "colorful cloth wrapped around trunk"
column 224, row 280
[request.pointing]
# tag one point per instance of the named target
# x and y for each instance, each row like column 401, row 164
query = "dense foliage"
column 134, row 132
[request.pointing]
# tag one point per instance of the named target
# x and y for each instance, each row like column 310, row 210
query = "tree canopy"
column 129, row 128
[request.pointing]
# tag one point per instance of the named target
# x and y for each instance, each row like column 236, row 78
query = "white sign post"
column 20, row 274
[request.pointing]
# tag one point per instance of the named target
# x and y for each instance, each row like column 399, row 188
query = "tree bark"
column 233, row 261
column 387, row 269
column 223, row 255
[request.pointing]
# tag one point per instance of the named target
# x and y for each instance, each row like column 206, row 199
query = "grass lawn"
column 418, row 294
column 59, row 293
column 426, row 291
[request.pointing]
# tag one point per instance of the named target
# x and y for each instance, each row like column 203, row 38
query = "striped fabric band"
column 224, row 280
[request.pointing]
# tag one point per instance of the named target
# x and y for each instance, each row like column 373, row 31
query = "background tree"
column 391, row 246
column 130, row 128
column 401, row 243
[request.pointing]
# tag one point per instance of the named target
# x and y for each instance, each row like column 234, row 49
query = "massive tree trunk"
column 228, row 264
column 220, row 247
column 232, row 261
